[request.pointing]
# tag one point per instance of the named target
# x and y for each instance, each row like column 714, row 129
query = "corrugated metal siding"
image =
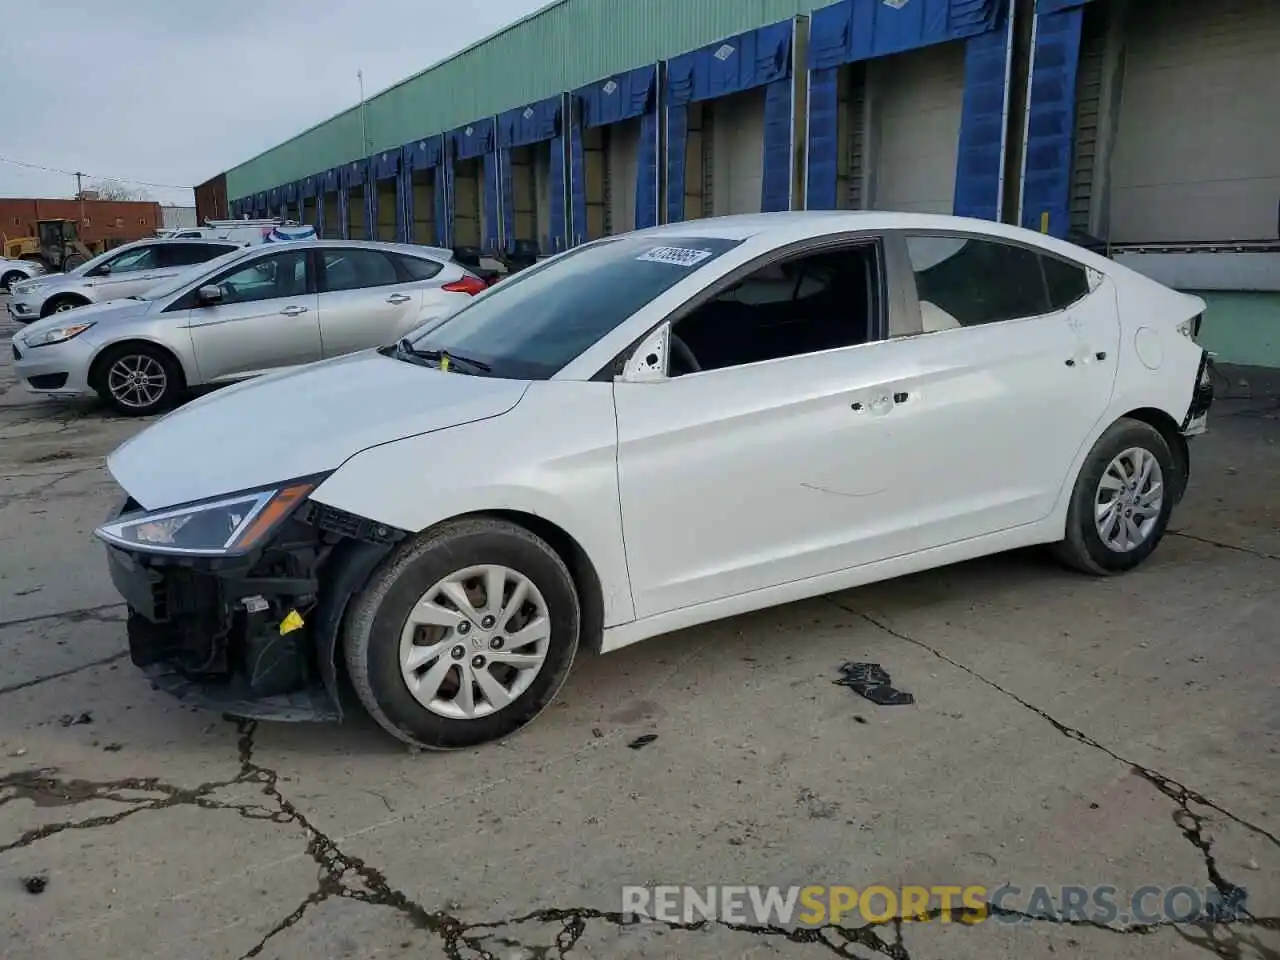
column 561, row 47
column 1093, row 41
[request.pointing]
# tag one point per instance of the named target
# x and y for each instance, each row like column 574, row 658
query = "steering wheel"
column 680, row 351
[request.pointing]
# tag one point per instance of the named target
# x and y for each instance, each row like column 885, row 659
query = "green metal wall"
column 563, row 46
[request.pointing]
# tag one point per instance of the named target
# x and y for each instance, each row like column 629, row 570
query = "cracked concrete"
column 1065, row 731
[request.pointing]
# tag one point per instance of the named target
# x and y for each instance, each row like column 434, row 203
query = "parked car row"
column 644, row 433
column 242, row 311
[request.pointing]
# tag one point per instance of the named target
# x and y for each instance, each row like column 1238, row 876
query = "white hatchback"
column 642, row 434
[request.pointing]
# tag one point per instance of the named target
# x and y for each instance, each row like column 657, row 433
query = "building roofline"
column 541, row 11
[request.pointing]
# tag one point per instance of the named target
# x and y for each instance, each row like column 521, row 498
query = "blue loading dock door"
column 613, row 150
column 425, row 202
column 332, row 208
column 846, row 35
column 292, row 198
column 356, row 200
column 1051, row 116
column 761, row 58
column 531, row 175
column 471, row 178
column 309, row 201
column 384, row 196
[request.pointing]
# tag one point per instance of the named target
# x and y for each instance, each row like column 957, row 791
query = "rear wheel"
column 1122, row 500
column 61, row 305
column 464, row 635
column 138, row 379
column 9, row 279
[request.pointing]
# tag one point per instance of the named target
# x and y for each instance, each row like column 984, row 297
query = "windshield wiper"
column 443, row 358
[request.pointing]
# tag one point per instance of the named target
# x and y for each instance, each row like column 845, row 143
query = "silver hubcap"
column 64, row 307
column 1127, row 504
column 474, row 642
column 137, row 381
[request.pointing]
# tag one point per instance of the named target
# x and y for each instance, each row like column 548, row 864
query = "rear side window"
column 417, row 268
column 967, row 281
column 357, row 269
column 1067, row 282
column 186, row 254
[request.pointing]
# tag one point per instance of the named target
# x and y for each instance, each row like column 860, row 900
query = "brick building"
column 103, row 223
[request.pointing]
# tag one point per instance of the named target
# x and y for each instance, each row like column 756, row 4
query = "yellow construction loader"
column 53, row 243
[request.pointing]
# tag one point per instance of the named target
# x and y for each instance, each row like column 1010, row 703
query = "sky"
column 172, row 92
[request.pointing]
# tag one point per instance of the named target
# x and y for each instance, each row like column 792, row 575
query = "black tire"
column 174, row 384
column 371, row 633
column 1083, row 548
column 9, row 279
column 61, row 304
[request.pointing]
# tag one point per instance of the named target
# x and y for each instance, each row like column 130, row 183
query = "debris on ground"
column 872, row 681
column 640, row 742
column 20, row 752
column 113, row 747
column 75, row 719
column 35, row 885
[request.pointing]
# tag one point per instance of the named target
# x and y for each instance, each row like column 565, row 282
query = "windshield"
column 531, row 325
column 174, row 284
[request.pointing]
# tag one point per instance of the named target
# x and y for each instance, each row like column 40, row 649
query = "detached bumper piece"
column 1196, row 420
column 238, row 636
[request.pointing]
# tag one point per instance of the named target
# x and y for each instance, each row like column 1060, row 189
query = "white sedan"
column 642, row 434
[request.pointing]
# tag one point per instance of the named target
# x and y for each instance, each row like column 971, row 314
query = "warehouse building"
column 1144, row 127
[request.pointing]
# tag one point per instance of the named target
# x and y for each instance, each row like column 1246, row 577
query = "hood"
column 111, row 311
column 296, row 423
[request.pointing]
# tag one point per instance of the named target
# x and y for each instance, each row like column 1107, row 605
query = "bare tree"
column 115, row 190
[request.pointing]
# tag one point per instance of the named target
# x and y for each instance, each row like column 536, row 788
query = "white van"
column 247, row 231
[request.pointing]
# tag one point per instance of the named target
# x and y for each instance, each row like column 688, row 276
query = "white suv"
column 123, row 272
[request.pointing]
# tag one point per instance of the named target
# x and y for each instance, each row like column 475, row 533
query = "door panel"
column 737, row 479
column 363, row 302
column 267, row 320
column 131, row 273
column 1000, row 412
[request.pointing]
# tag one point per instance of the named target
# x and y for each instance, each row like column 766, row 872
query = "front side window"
column 266, row 278
column 532, row 324
column 967, row 281
column 357, row 269
column 804, row 304
column 141, row 258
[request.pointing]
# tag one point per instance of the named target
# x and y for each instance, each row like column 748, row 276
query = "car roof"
column 421, row 250
column 797, row 225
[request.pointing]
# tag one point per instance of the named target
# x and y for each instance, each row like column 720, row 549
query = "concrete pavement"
column 1066, row 731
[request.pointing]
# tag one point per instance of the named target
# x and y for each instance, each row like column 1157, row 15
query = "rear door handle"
column 293, row 311
column 398, row 298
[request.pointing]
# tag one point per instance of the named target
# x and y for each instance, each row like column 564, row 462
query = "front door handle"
column 398, row 298
column 293, row 311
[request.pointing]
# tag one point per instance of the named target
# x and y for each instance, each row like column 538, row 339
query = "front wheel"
column 464, row 635
column 138, row 380
column 1122, row 500
column 9, row 279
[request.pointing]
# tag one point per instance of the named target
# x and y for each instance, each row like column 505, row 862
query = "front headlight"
column 57, row 334
column 225, row 527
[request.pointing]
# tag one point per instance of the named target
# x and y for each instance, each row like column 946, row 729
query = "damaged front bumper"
column 252, row 636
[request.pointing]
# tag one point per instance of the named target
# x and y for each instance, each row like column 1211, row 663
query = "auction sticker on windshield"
column 676, row 256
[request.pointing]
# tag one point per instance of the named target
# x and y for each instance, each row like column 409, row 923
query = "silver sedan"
column 249, row 312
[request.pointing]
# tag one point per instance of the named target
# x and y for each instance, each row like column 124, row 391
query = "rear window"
column 532, row 324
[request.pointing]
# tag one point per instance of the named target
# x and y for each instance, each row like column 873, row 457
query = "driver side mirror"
column 648, row 362
column 209, row 295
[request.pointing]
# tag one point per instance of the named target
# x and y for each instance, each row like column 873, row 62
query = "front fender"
column 553, row 456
